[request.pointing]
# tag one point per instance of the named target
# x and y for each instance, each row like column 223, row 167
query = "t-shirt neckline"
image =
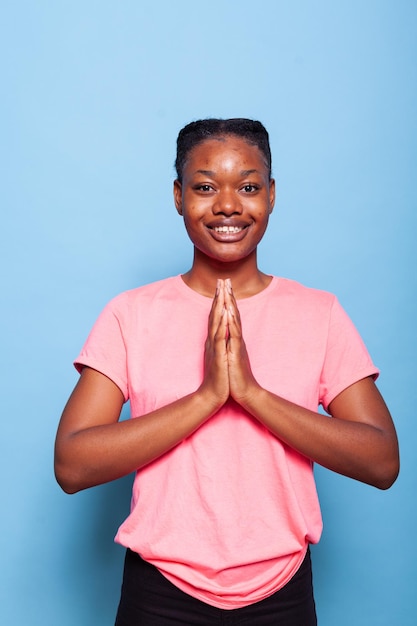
column 198, row 297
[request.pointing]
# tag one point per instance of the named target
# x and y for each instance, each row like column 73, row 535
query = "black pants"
column 149, row 599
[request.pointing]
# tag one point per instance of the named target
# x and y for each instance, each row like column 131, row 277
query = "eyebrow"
column 205, row 173
column 243, row 173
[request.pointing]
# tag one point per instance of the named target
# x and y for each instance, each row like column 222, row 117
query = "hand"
column 242, row 383
column 216, row 375
column 227, row 370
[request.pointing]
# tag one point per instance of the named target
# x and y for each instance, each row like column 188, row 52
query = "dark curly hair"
column 195, row 133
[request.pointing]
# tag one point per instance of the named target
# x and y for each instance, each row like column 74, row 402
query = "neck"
column 247, row 279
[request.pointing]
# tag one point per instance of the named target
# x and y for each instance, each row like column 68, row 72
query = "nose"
column 227, row 202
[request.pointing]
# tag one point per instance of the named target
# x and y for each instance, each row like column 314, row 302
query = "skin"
column 225, row 183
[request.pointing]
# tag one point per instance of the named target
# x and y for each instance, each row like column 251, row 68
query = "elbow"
column 66, row 485
column 386, row 470
column 67, row 469
column 66, row 478
column 389, row 478
column 386, row 474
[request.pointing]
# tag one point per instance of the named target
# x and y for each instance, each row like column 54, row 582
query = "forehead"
column 225, row 153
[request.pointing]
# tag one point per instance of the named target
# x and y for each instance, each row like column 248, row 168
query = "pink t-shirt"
column 228, row 513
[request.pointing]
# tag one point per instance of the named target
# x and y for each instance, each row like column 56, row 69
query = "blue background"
column 94, row 94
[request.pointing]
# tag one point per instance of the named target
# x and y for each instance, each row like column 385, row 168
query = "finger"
column 222, row 331
column 229, row 295
column 216, row 317
column 233, row 325
column 232, row 308
column 218, row 299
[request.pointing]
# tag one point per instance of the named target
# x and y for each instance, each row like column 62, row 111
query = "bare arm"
column 92, row 447
column 359, row 441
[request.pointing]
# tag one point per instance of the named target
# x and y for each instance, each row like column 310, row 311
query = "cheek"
column 189, row 217
column 191, row 222
column 263, row 214
column 193, row 213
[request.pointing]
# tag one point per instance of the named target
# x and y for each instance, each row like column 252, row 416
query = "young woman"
column 225, row 368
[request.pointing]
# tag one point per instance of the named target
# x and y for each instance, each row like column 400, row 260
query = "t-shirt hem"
column 98, row 366
column 369, row 371
column 249, row 598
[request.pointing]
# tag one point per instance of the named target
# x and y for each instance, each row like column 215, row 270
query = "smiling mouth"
column 228, row 229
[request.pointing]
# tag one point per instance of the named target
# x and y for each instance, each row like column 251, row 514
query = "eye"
column 249, row 188
column 204, row 188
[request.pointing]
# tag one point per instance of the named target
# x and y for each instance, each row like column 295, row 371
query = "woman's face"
column 225, row 198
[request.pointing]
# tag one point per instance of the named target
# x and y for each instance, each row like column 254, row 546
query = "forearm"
column 355, row 449
column 105, row 452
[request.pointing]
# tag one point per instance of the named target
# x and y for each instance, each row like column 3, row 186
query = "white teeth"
column 227, row 229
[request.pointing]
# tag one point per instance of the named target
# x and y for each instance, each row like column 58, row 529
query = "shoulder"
column 297, row 293
column 165, row 288
column 131, row 307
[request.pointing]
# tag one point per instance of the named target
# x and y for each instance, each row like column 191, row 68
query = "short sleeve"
column 346, row 359
column 105, row 349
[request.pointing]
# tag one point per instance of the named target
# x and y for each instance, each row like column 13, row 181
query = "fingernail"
column 229, row 285
column 218, row 287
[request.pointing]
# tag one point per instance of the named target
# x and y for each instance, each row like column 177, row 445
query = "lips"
column 228, row 229
column 227, row 232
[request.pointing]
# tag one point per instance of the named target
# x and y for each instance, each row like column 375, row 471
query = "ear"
column 271, row 195
column 178, row 196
